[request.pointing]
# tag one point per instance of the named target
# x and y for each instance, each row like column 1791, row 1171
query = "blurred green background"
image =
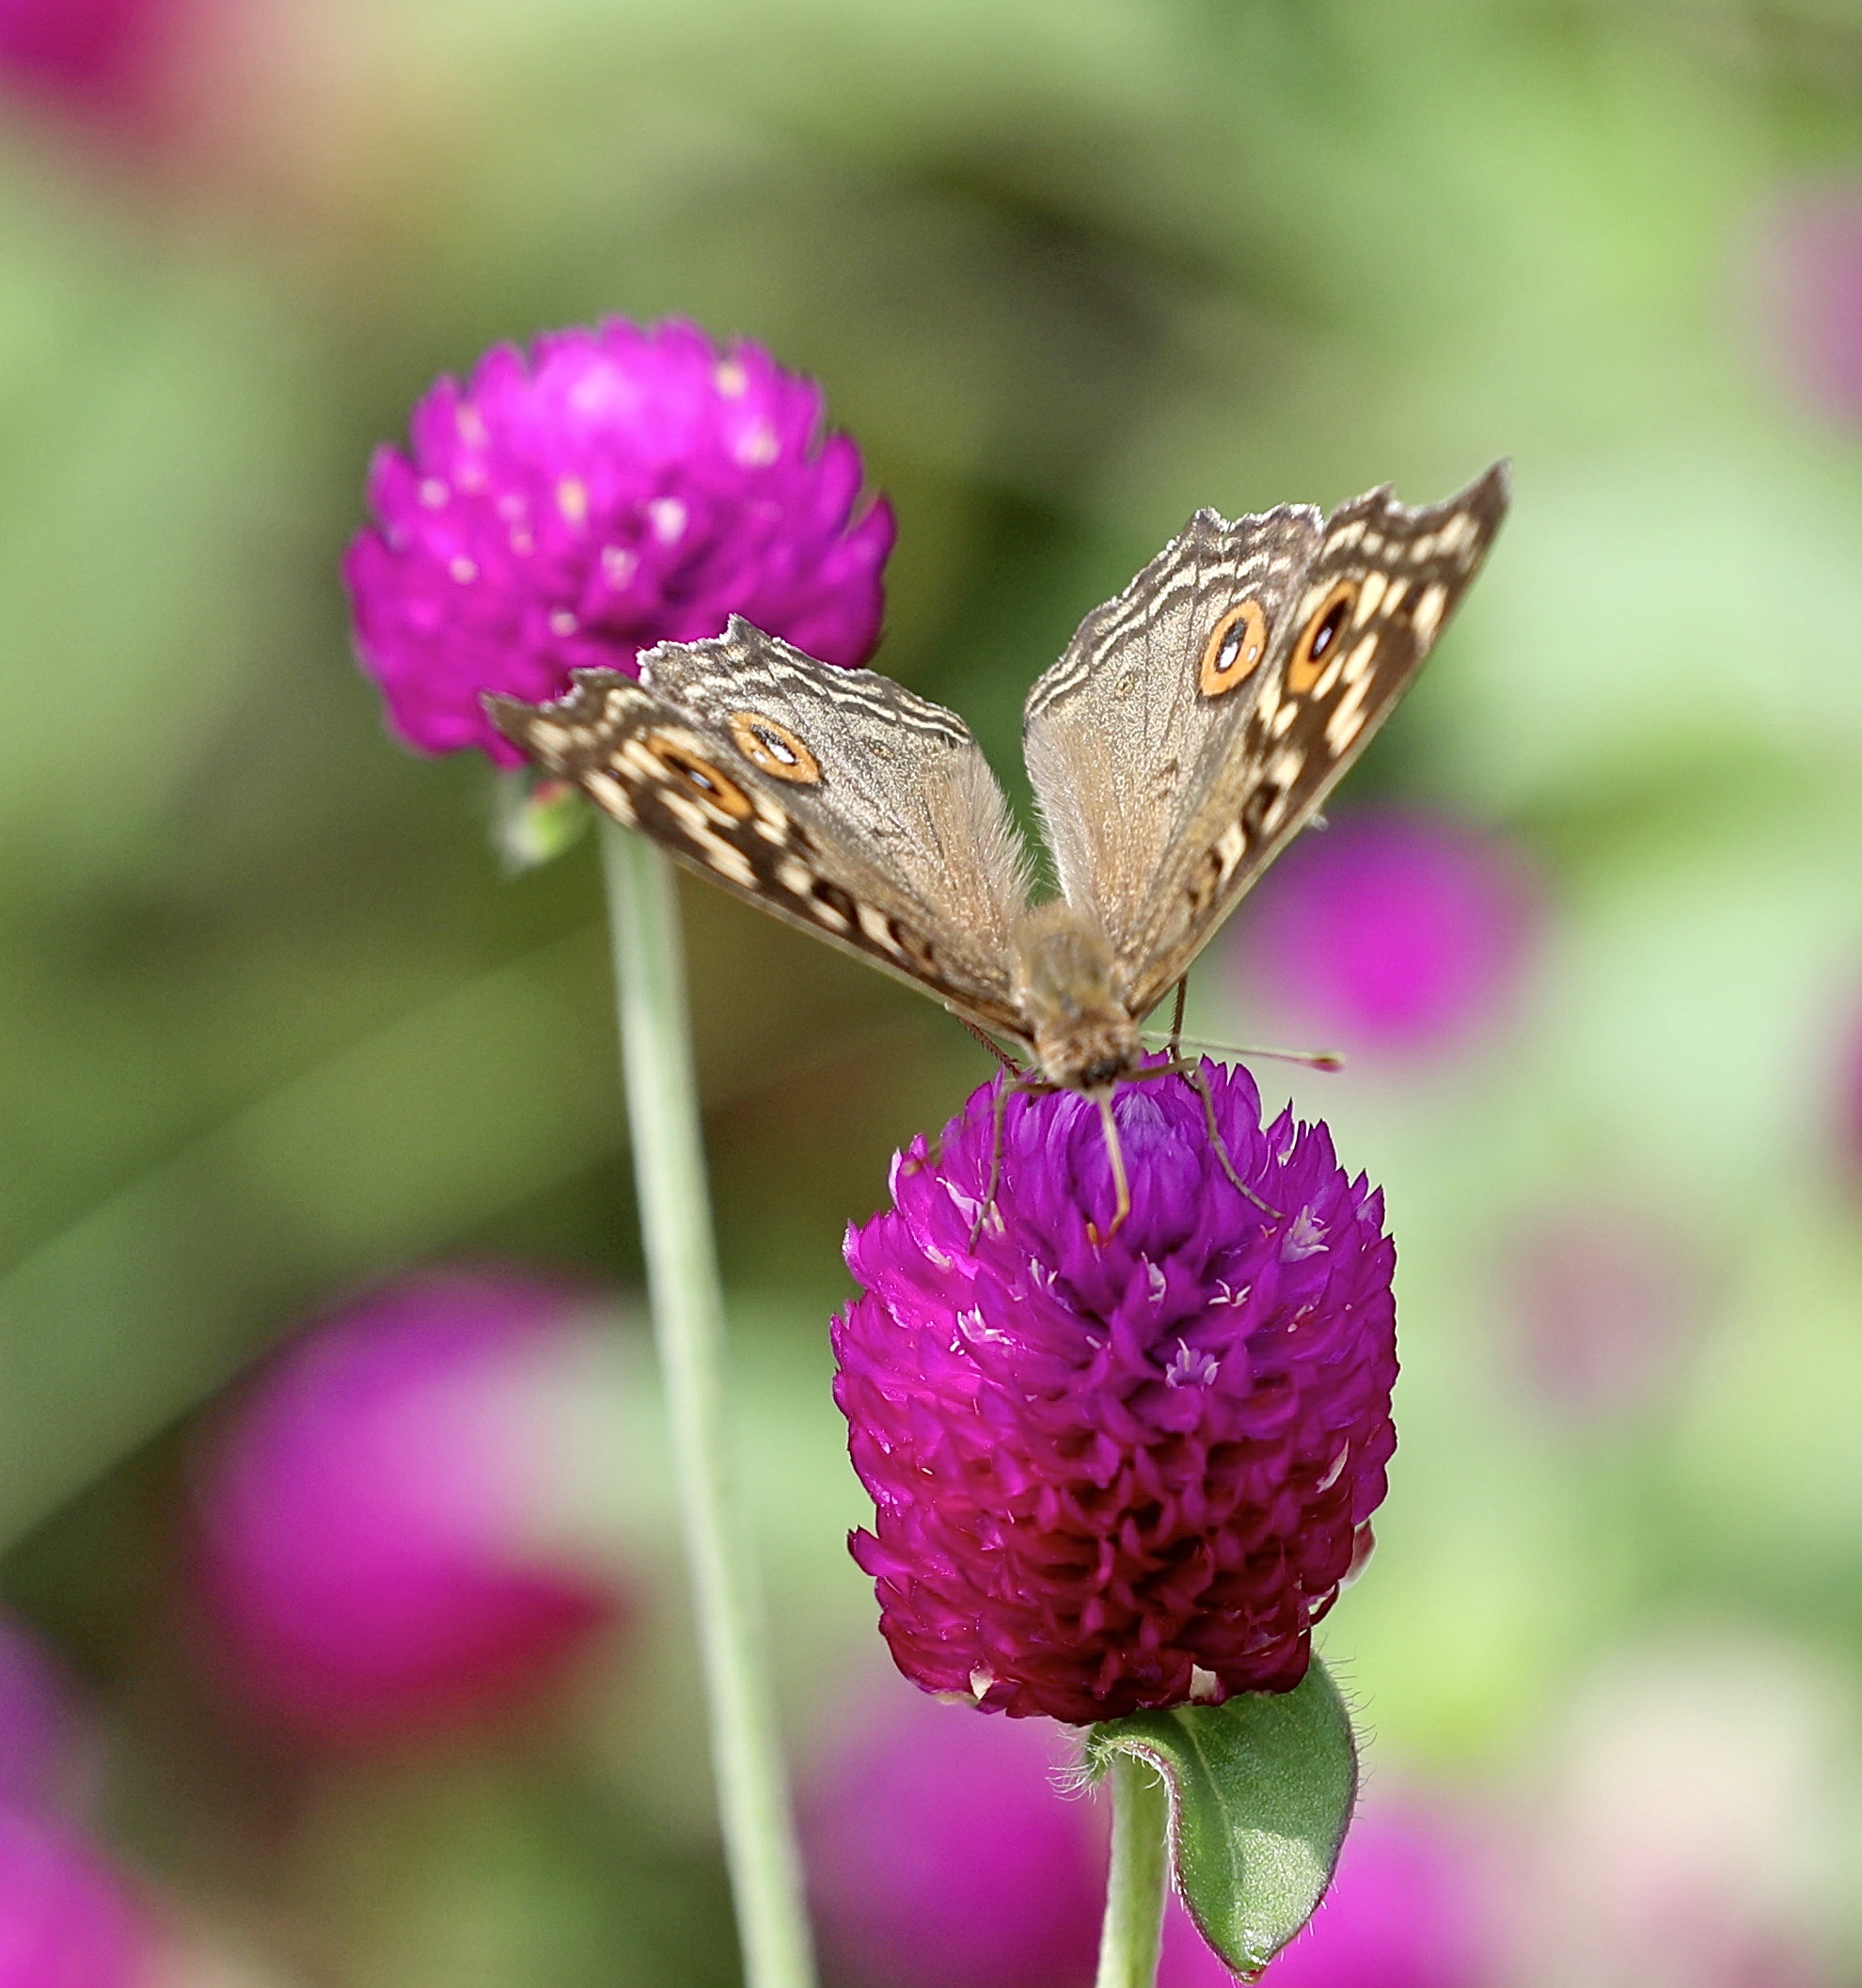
column 273, row 1025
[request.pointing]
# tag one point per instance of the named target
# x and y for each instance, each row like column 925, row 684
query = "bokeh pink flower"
column 1392, row 930
column 1607, row 1301
column 942, row 1853
column 1812, row 272
column 41, row 1722
column 107, row 62
column 67, row 1918
column 610, row 489
column 366, row 1557
column 946, row 1851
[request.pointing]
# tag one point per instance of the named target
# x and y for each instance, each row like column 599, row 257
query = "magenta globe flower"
column 66, row 1920
column 614, row 489
column 942, row 1853
column 1116, row 1476
column 1391, row 930
column 366, row 1555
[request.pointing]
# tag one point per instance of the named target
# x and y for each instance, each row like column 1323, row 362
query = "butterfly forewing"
column 1343, row 642
column 1118, row 734
column 831, row 797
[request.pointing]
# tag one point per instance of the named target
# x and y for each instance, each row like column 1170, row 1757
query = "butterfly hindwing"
column 1309, row 669
column 831, row 798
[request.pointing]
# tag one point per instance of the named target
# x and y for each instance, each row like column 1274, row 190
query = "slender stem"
column 1138, row 1878
column 689, row 1325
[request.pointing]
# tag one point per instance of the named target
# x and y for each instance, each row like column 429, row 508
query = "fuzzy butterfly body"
column 1192, row 728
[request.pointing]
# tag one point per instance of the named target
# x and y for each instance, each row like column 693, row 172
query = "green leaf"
column 1260, row 1793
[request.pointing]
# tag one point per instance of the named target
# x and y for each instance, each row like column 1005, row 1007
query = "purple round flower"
column 614, row 489
column 1392, row 930
column 1121, row 1474
column 366, row 1546
column 66, row 1920
column 942, row 1853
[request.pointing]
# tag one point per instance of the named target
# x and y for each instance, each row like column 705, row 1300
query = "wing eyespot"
column 773, row 748
column 1234, row 650
column 1319, row 637
column 701, row 778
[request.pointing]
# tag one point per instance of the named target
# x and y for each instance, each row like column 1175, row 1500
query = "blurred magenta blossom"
column 1112, row 1472
column 1697, row 1818
column 1850, row 1096
column 66, row 1920
column 946, row 1851
column 1813, row 255
column 1411, row 1907
column 1391, row 930
column 40, row 1721
column 366, row 1551
column 1607, row 1301
column 942, row 1852
column 612, row 489
column 107, row 62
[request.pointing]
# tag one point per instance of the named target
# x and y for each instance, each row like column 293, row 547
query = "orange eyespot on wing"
column 1234, row 650
column 1319, row 637
column 773, row 748
column 702, row 780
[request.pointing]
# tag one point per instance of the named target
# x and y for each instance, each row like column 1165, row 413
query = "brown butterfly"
column 1193, row 727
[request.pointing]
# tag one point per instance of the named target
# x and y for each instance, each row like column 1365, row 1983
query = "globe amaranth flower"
column 1117, row 1474
column 373, row 1546
column 614, row 489
column 1394, row 930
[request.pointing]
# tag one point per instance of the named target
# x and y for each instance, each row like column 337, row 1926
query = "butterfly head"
column 1082, row 1035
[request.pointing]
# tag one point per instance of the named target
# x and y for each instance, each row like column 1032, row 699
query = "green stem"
column 1139, row 1879
column 689, row 1325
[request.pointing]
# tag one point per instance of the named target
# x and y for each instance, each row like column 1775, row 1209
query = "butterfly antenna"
column 1311, row 1059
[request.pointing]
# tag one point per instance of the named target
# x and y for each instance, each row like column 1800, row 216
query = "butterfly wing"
column 833, row 798
column 1226, row 693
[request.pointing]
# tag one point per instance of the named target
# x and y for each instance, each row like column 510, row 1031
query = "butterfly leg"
column 994, row 1047
column 1188, row 1068
column 1026, row 1087
column 1176, row 1020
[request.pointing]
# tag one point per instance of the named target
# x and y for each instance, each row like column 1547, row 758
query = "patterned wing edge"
column 1412, row 568
column 653, row 768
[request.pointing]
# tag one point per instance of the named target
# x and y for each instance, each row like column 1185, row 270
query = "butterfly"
column 1193, row 726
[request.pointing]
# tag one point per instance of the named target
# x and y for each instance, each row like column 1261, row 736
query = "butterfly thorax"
column 1082, row 1035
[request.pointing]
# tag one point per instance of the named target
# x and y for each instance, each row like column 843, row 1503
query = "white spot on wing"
column 1426, row 618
